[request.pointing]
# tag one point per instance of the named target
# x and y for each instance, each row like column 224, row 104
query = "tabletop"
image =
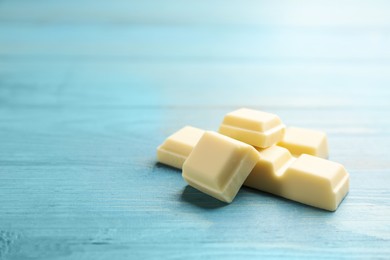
column 89, row 89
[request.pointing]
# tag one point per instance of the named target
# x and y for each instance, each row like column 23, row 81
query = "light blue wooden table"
column 89, row 89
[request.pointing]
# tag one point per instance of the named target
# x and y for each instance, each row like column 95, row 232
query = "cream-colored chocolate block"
column 253, row 127
column 218, row 165
column 177, row 147
column 266, row 175
column 315, row 181
column 307, row 179
column 305, row 141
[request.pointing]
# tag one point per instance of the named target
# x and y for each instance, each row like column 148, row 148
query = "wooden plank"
column 182, row 43
column 183, row 84
column 317, row 14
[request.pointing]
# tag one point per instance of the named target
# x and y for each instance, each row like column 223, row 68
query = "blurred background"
column 317, row 64
column 89, row 89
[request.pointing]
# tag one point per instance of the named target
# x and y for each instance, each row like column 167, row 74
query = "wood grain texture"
column 89, row 89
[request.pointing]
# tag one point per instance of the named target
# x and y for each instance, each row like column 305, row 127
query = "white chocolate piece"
column 307, row 179
column 253, row 127
column 177, row 147
column 266, row 175
column 218, row 165
column 305, row 141
column 317, row 182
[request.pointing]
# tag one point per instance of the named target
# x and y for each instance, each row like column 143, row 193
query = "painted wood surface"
column 89, row 89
